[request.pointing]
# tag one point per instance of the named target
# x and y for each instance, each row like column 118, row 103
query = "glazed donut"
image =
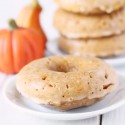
column 101, row 47
column 66, row 82
column 92, row 26
column 91, row 6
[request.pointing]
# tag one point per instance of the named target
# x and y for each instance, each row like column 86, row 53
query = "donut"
column 101, row 47
column 91, row 26
column 91, row 6
column 66, row 82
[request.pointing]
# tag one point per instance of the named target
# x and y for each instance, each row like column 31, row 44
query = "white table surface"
column 9, row 115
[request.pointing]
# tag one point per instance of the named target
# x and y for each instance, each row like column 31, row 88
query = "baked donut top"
column 58, row 79
column 91, row 6
column 78, row 26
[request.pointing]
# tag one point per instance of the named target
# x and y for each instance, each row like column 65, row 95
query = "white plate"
column 53, row 48
column 109, row 103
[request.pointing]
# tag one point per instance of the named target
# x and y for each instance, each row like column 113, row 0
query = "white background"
column 8, row 115
column 11, row 8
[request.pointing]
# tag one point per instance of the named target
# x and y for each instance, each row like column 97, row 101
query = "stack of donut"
column 91, row 27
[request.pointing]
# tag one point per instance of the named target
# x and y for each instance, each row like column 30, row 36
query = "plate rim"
column 59, row 116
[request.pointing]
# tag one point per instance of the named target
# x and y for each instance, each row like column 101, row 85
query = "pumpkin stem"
column 12, row 24
column 35, row 3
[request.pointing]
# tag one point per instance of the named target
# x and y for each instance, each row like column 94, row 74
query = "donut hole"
column 50, row 85
column 67, row 86
column 44, row 77
column 106, row 76
column 62, row 68
column 59, row 69
column 91, row 76
column 63, row 96
column 107, row 86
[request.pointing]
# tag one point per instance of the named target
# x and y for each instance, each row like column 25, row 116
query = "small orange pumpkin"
column 29, row 17
column 18, row 47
